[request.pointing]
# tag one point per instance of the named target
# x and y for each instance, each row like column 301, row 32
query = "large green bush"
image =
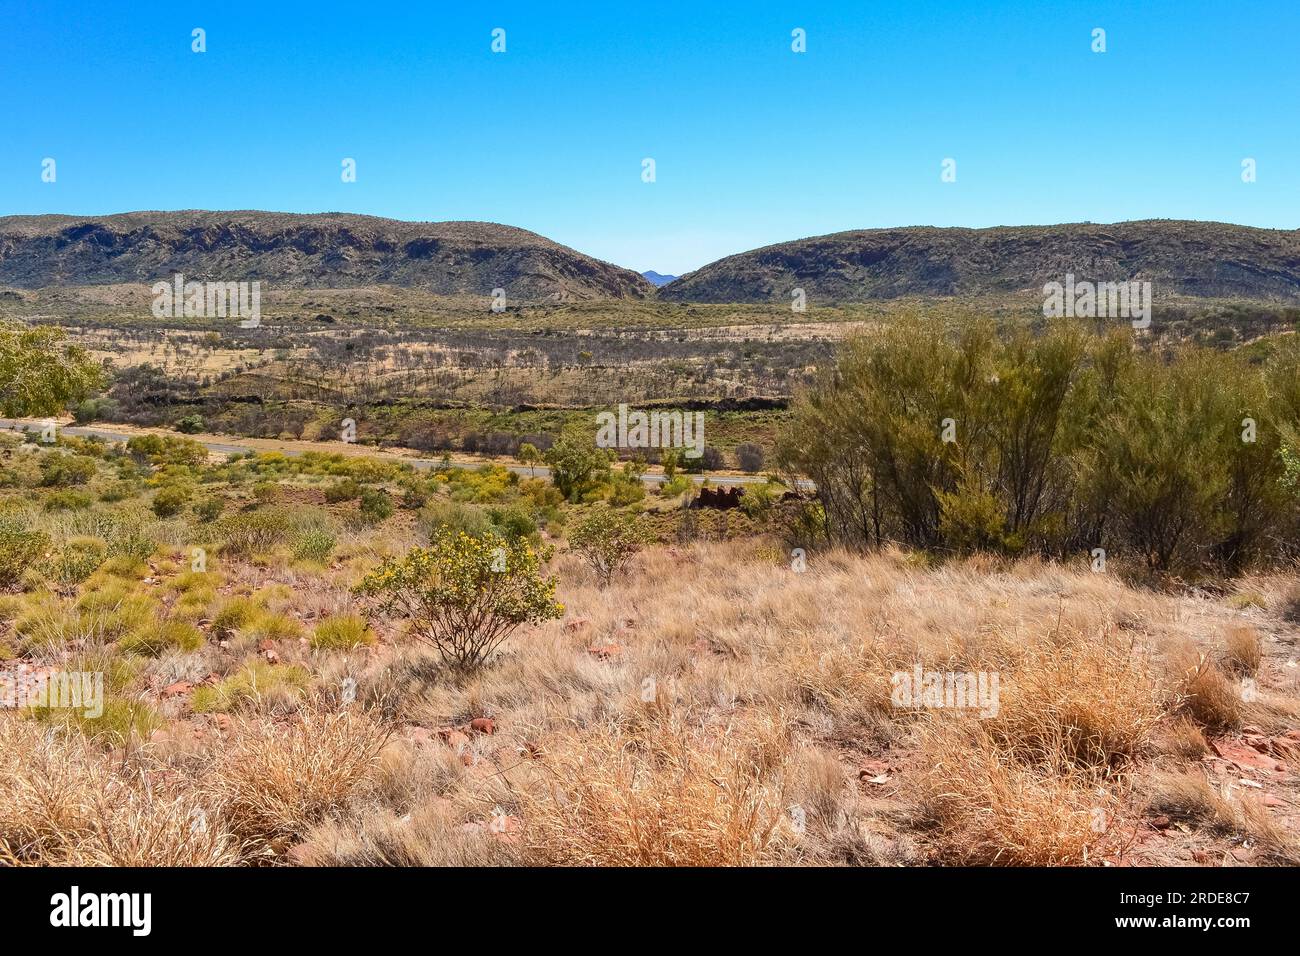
column 1059, row 441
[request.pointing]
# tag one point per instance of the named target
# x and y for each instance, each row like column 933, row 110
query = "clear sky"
column 753, row 143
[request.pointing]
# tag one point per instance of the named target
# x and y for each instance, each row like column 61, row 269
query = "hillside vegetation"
column 1203, row 259
column 327, row 250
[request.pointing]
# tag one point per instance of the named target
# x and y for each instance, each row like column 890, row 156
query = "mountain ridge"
column 1185, row 257
column 303, row 249
column 345, row 250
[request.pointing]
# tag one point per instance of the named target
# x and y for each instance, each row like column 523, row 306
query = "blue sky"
column 753, row 143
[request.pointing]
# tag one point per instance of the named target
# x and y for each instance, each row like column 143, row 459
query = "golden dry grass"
column 652, row 790
column 61, row 803
column 278, row 780
column 723, row 721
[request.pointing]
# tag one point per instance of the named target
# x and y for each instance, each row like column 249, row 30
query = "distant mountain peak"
column 657, row 278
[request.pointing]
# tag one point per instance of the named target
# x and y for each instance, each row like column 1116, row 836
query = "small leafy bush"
column 607, row 540
column 465, row 595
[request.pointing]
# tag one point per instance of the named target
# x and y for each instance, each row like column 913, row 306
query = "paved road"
column 227, row 448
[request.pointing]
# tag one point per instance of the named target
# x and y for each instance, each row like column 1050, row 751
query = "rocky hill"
column 331, row 250
column 1179, row 258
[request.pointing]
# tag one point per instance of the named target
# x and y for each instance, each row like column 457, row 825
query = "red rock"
column 605, row 651
column 576, row 624
column 483, row 725
column 418, row 735
column 1245, row 757
column 178, row 689
column 873, row 768
column 505, row 828
column 266, row 645
column 456, row 740
column 272, row 657
column 1271, row 801
column 1161, row 822
column 1203, row 857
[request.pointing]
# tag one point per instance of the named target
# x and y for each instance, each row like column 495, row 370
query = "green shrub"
column 257, row 679
column 957, row 438
column 159, row 450
column 253, row 532
column 465, row 595
column 170, row 501
column 578, row 467
column 607, row 540
column 626, row 489
column 342, row 632
column 60, row 470
column 759, row 500
column 266, row 492
column 677, row 485
column 415, row 494
column 315, row 544
column 66, row 501
column 513, row 523
column 375, row 506
column 19, row 550
column 160, row 636
column 76, row 561
column 345, row 490
column 116, row 491
column 130, row 542
column 209, row 509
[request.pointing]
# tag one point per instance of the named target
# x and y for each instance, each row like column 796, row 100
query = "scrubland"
column 717, row 702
